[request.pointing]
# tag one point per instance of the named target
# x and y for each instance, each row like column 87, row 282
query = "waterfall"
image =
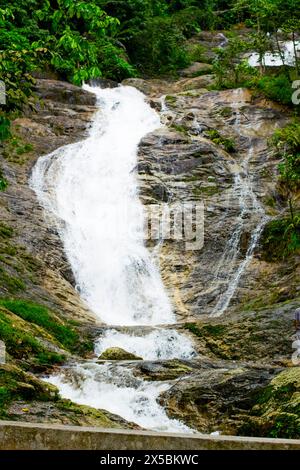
column 90, row 193
column 249, row 207
column 91, row 188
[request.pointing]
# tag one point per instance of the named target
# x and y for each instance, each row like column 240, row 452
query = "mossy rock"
column 16, row 384
column 118, row 354
column 276, row 412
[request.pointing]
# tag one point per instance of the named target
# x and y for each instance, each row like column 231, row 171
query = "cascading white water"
column 271, row 59
column 89, row 191
column 115, row 389
column 91, row 187
column 158, row 344
column 249, row 206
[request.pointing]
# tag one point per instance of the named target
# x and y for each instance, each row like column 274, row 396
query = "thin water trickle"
column 249, row 208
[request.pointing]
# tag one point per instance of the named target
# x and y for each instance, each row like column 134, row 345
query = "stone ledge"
column 28, row 436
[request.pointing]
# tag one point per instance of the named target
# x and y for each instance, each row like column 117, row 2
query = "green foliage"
column 4, row 128
column 46, row 358
column 227, row 143
column 158, row 48
column 5, row 231
column 287, row 144
column 193, row 328
column 206, row 330
column 287, row 140
column 11, row 283
column 39, row 315
column 277, row 88
column 15, row 384
column 281, row 239
column 5, row 396
column 15, row 150
column 230, row 68
column 3, row 182
column 270, row 16
column 19, row 344
column 75, row 37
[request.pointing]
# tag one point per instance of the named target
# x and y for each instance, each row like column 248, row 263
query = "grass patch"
column 13, row 284
column 15, row 149
column 228, row 144
column 179, row 128
column 3, row 182
column 46, row 358
column 19, row 343
column 206, row 190
column 5, row 231
column 170, row 100
column 40, row 316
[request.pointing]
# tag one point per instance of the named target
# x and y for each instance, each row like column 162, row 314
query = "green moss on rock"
column 276, row 411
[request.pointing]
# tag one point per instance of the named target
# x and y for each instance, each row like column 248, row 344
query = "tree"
column 287, row 143
column 230, row 68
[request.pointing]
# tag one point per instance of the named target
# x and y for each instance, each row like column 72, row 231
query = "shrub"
column 277, row 88
column 158, row 48
column 230, row 68
column 4, row 128
column 287, row 144
column 280, row 239
column 3, row 182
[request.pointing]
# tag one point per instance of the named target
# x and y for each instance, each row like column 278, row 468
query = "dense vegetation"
column 81, row 40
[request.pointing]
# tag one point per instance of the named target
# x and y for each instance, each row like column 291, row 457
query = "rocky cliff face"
column 60, row 114
column 213, row 148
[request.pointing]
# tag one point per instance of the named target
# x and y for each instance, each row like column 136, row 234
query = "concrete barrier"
column 31, row 436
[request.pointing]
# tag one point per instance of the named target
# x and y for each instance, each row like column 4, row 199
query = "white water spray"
column 90, row 191
column 115, row 389
column 276, row 59
column 158, row 344
column 91, row 188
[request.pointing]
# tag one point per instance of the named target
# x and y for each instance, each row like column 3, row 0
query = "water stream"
column 232, row 266
column 90, row 193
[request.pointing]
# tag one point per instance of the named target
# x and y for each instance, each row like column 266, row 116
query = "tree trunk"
column 296, row 57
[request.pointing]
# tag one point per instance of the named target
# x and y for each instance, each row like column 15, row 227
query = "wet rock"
column 118, row 354
column 258, row 336
column 63, row 92
column 197, row 68
column 163, row 371
column 216, row 399
column 191, row 167
column 187, row 84
column 65, row 412
column 61, row 115
column 104, row 83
